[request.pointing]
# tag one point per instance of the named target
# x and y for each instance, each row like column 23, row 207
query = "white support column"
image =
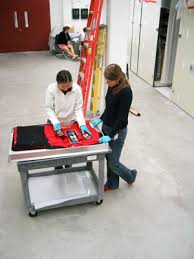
column 67, row 15
column 118, row 23
column 56, row 13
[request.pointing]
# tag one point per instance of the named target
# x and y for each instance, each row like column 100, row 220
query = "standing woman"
column 115, row 120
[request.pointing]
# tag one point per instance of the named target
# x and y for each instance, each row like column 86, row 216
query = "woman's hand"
column 85, row 130
column 58, row 130
column 59, row 133
column 96, row 122
column 57, row 126
column 104, row 139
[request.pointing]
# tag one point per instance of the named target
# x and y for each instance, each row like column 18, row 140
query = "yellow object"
column 98, row 70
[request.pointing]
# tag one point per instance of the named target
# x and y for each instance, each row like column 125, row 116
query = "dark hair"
column 66, row 28
column 85, row 29
column 114, row 72
column 64, row 76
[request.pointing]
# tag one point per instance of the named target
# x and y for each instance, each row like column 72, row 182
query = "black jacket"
column 117, row 108
column 63, row 38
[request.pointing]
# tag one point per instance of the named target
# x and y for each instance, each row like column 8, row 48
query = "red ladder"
column 89, row 49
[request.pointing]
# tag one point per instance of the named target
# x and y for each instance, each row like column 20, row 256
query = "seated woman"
column 63, row 41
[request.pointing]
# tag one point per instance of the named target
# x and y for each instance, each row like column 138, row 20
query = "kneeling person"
column 64, row 103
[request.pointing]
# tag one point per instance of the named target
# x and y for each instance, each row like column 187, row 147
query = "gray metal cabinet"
column 183, row 81
column 148, row 41
column 143, row 38
column 135, row 36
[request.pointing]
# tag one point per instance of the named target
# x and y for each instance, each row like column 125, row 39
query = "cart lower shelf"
column 62, row 189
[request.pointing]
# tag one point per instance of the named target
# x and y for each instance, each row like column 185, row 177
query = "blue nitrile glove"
column 57, row 126
column 104, row 139
column 96, row 122
column 85, row 130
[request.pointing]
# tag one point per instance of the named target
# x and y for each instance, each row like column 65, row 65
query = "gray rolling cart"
column 45, row 187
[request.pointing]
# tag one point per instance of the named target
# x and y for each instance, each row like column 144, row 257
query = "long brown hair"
column 65, row 28
column 114, row 72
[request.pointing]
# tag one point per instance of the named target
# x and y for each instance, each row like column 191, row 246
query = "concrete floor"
column 154, row 218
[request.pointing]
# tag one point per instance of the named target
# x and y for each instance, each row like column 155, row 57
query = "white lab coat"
column 64, row 108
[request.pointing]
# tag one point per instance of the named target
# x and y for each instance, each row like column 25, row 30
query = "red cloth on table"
column 65, row 141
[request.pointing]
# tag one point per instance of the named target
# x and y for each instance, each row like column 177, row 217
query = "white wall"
column 67, row 13
column 61, row 13
column 56, row 13
column 118, row 22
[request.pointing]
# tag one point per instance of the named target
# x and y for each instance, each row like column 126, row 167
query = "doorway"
column 25, row 25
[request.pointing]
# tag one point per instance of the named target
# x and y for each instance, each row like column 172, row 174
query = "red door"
column 25, row 25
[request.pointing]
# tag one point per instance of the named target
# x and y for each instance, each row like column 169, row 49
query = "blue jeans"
column 114, row 167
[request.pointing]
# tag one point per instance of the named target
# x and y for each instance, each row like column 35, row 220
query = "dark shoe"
column 58, row 167
column 134, row 173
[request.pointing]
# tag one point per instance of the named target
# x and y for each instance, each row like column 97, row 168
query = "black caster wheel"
column 33, row 214
column 98, row 202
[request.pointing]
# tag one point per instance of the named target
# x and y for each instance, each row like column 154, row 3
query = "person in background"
column 63, row 41
column 114, row 125
column 64, row 103
column 82, row 35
